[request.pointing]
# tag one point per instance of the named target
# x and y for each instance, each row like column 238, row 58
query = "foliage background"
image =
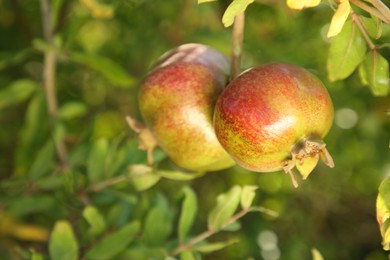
column 101, row 64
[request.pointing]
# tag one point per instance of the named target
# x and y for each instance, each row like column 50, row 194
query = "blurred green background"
column 102, row 59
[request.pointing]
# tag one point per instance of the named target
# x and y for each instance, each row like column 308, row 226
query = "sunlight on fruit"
column 346, row 118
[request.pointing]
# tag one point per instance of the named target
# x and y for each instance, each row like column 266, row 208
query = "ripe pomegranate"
column 274, row 117
column 177, row 102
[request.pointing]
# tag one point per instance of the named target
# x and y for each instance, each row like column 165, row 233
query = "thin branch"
column 109, row 182
column 238, row 36
column 383, row 9
column 49, row 78
column 358, row 21
column 182, row 247
column 371, row 10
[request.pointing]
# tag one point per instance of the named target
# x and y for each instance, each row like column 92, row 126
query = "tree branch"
column 357, row 20
column 49, row 78
column 182, row 247
column 373, row 11
column 383, row 9
column 238, row 36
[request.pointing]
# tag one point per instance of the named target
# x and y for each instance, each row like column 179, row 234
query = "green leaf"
column 95, row 220
column 373, row 26
column 51, row 182
column 188, row 212
column 143, row 177
column 180, row 176
column 374, row 72
column 32, row 135
column 107, row 67
column 316, row 255
column 347, row 51
column 31, row 204
column 72, row 110
column 114, row 243
column 236, row 7
column 384, row 192
column 36, row 256
column 43, row 161
column 187, row 255
column 17, row 92
column 226, row 206
column 205, row 1
column 383, row 212
column 247, row 196
column 63, row 244
column 97, row 160
column 14, row 58
column 158, row 223
column 212, row 247
column 235, row 226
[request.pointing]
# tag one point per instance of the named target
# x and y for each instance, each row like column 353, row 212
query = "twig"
column 371, row 10
column 49, row 78
column 182, row 247
column 357, row 20
column 383, row 9
column 109, row 182
column 238, row 36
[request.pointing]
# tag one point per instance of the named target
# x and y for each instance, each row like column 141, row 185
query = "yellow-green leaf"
column 226, row 206
column 247, row 196
column 205, row 1
column 236, row 7
column 208, row 248
column 99, row 10
column 300, row 4
column 339, row 18
column 95, row 220
column 143, row 177
column 63, row 244
column 347, row 51
column 374, row 71
column 17, row 92
column 114, row 72
column 114, row 243
column 383, row 212
column 316, row 255
column 188, row 212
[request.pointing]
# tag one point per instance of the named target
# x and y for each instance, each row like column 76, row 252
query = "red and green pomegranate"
column 177, row 101
column 275, row 117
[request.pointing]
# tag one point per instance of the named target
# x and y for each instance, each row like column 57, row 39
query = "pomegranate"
column 177, row 102
column 274, row 117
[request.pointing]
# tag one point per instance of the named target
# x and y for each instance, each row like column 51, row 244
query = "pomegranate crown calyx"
column 305, row 155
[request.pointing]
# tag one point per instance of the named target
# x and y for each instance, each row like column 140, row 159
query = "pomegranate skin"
column 264, row 112
column 177, row 102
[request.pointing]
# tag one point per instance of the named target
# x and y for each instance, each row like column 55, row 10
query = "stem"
column 357, row 20
column 383, row 9
column 49, row 77
column 208, row 233
column 371, row 10
column 109, row 182
column 238, row 36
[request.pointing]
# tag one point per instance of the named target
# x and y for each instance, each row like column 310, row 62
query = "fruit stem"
column 237, row 40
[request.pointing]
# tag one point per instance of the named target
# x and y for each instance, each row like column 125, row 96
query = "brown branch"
column 383, row 9
column 358, row 21
column 49, row 79
column 371, row 10
column 238, row 36
column 107, row 183
column 182, row 247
